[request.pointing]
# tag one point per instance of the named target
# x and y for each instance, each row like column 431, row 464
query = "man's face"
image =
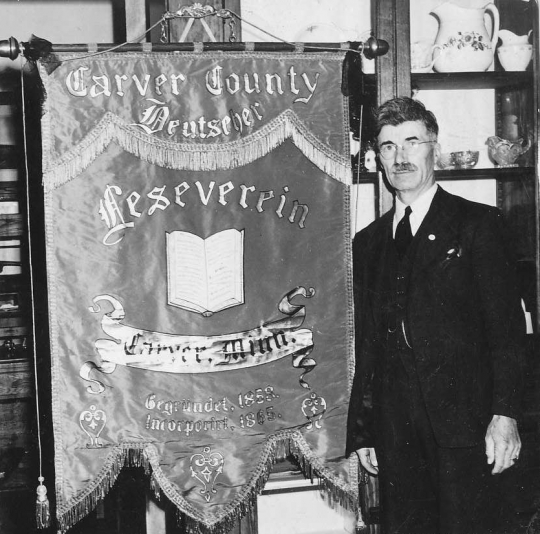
column 409, row 173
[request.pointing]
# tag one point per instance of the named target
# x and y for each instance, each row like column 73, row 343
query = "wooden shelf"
column 8, row 98
column 12, row 225
column 16, row 379
column 506, row 174
column 16, row 412
column 365, row 177
column 497, row 173
column 471, row 80
column 9, row 193
column 10, row 157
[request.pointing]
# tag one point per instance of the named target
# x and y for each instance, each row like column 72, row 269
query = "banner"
column 199, row 275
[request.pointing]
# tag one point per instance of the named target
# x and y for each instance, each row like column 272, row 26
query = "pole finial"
column 10, row 48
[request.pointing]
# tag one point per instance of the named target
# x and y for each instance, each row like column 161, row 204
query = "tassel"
column 37, row 48
column 43, row 515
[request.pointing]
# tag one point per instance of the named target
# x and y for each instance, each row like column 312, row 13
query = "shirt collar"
column 419, row 207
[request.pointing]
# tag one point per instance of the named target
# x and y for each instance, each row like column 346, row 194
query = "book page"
column 186, row 271
column 225, row 267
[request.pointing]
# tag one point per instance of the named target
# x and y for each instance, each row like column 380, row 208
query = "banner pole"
column 370, row 48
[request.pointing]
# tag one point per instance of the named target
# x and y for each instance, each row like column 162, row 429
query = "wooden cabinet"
column 14, row 286
column 15, row 368
column 17, row 405
column 16, row 408
column 488, row 103
column 470, row 107
column 512, row 189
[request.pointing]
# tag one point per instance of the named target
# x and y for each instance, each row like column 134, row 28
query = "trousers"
column 424, row 488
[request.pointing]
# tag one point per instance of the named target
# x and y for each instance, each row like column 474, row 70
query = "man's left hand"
column 503, row 443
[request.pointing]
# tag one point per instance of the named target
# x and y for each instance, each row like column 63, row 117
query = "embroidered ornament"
column 93, row 421
column 206, row 467
column 314, row 408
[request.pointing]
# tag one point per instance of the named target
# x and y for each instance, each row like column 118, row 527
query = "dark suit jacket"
column 464, row 319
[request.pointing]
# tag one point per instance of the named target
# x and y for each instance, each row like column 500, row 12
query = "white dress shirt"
column 419, row 208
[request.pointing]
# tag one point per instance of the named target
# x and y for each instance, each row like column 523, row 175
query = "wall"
column 314, row 21
column 57, row 21
column 91, row 21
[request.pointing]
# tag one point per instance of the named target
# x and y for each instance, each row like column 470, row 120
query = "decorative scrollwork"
column 93, row 421
column 196, row 10
column 224, row 14
column 314, row 409
column 206, row 467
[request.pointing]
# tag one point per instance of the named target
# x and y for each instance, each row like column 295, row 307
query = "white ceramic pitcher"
column 463, row 43
column 515, row 53
column 509, row 38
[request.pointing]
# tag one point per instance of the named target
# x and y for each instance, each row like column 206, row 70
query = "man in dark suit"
column 440, row 341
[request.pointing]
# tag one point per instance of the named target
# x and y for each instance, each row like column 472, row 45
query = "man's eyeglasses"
column 389, row 150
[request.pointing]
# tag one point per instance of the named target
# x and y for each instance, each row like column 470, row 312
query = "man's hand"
column 368, row 459
column 503, row 443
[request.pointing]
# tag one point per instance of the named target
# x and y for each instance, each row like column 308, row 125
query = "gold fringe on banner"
column 196, row 157
column 281, row 445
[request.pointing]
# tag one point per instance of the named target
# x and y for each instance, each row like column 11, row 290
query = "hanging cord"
column 112, row 49
column 223, row 13
column 321, row 47
column 231, row 15
column 43, row 515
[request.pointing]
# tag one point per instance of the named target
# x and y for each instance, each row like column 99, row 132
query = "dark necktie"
column 404, row 235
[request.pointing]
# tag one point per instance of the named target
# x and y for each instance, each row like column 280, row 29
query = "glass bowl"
column 466, row 159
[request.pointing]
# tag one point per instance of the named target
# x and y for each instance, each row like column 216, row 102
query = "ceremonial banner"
column 199, row 275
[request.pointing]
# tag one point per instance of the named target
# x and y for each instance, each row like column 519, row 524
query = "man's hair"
column 403, row 109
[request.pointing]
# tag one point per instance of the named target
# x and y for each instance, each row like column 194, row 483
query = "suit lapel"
column 382, row 259
column 438, row 232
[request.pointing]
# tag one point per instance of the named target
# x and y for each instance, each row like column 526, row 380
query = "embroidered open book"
column 205, row 275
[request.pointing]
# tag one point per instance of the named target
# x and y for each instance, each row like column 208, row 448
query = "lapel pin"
column 431, row 237
column 455, row 251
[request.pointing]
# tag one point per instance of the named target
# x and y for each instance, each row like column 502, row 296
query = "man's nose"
column 400, row 154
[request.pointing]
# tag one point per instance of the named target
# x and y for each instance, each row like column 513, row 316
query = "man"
column 440, row 341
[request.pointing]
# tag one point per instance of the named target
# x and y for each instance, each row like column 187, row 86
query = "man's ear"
column 436, row 152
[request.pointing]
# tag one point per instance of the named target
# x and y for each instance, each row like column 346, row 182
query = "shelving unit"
column 14, row 292
column 517, row 190
column 471, row 80
column 16, row 375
